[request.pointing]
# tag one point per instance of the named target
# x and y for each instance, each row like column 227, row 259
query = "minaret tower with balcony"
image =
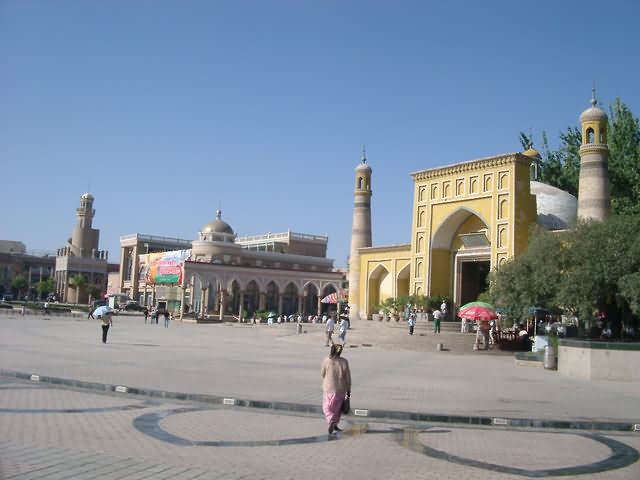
column 360, row 232
column 84, row 238
column 593, row 188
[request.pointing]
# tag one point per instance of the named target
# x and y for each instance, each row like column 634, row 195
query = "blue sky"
column 171, row 109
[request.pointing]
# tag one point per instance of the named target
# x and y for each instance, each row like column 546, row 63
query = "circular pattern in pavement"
column 149, row 424
column 621, row 455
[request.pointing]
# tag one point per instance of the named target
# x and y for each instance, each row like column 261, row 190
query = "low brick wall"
column 591, row 360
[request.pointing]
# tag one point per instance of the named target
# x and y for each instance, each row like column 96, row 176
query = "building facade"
column 470, row 217
column 221, row 275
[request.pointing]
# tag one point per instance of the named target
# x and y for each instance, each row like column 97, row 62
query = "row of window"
column 443, row 189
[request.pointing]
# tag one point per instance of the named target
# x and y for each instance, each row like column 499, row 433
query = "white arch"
column 443, row 236
column 329, row 284
column 311, row 282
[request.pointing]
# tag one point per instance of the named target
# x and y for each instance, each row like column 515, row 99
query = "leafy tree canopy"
column 19, row 283
column 78, row 280
column 45, row 287
column 592, row 267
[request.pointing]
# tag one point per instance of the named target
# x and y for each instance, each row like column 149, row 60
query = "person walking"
column 166, row 319
column 443, row 309
column 412, row 322
column 146, row 314
column 107, row 321
column 329, row 328
column 336, row 383
column 342, row 331
column 437, row 315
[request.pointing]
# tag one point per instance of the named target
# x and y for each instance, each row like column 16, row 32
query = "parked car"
column 133, row 306
column 98, row 303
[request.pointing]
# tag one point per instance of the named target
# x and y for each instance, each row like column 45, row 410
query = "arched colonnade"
column 230, row 293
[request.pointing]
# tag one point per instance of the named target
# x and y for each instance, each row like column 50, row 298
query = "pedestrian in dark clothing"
column 146, row 315
column 107, row 321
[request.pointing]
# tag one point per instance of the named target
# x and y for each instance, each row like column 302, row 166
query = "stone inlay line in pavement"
column 394, row 415
column 74, row 410
column 622, row 456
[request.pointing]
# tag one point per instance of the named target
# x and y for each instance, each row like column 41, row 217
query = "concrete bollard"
column 439, row 347
column 298, row 329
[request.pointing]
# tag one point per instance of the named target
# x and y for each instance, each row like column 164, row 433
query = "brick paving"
column 48, row 431
column 105, row 445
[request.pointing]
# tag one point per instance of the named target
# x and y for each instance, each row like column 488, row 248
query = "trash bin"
column 549, row 358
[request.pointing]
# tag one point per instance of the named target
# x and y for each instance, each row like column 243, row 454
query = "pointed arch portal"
column 460, row 256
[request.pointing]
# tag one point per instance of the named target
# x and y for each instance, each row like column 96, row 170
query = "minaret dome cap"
column 532, row 153
column 593, row 113
column 217, row 225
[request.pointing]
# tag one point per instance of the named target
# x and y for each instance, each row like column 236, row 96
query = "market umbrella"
column 476, row 304
column 271, row 315
column 478, row 312
column 331, row 298
column 103, row 310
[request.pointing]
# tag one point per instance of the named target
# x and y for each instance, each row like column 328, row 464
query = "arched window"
column 589, row 135
column 359, row 183
column 602, row 139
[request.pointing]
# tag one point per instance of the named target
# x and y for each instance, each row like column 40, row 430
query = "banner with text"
column 166, row 267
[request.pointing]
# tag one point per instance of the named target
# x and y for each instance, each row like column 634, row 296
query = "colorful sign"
column 166, row 267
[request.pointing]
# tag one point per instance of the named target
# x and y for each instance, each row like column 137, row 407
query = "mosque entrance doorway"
column 471, row 278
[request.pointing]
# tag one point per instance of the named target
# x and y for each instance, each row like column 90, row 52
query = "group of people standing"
column 438, row 315
column 330, row 326
column 155, row 316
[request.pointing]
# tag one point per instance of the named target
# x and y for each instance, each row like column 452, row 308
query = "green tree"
column 45, row 287
column 18, row 284
column 623, row 137
column 94, row 291
column 593, row 267
column 525, row 141
column 78, row 282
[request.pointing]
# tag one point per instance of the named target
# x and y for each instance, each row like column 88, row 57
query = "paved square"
column 54, row 432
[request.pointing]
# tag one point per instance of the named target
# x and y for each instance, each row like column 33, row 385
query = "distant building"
column 12, row 246
column 34, row 268
column 81, row 256
column 220, row 274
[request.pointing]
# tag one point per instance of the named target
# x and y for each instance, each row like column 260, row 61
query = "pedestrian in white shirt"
column 330, row 325
column 342, row 333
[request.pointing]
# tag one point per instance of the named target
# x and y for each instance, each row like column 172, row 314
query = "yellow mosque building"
column 468, row 218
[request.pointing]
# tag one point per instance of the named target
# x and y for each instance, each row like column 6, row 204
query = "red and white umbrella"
column 478, row 312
